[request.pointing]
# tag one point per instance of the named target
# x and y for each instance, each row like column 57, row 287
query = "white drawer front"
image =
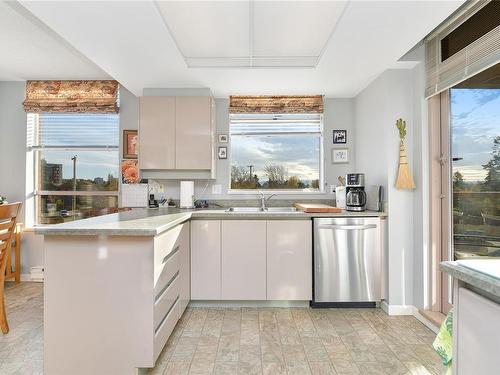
column 166, row 300
column 165, row 329
column 165, row 271
column 165, row 243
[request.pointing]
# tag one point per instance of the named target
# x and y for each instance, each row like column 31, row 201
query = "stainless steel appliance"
column 355, row 192
column 347, row 262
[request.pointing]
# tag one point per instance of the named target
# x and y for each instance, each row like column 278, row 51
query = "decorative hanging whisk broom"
column 404, row 180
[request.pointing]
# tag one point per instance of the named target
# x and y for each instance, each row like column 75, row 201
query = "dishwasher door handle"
column 347, row 227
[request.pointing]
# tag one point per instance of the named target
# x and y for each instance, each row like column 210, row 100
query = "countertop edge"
column 475, row 278
column 88, row 230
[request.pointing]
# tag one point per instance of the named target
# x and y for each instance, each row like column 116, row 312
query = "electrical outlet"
column 217, row 189
column 160, row 189
column 332, row 189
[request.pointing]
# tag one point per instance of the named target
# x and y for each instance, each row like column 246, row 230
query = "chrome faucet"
column 263, row 200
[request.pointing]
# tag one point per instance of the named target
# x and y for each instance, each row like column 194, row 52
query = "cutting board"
column 317, row 208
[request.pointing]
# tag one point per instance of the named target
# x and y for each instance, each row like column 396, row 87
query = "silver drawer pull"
column 170, row 255
column 164, row 289
column 166, row 315
column 348, row 227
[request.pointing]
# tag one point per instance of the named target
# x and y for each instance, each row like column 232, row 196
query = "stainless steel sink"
column 244, row 209
column 276, row 210
column 281, row 209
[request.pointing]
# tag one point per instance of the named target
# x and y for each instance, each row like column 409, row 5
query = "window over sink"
column 75, row 165
column 278, row 152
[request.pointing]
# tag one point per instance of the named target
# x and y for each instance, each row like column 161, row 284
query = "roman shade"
column 458, row 49
column 71, row 97
column 276, row 104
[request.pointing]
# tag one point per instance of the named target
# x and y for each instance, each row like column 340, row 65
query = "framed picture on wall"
column 340, row 155
column 339, row 136
column 222, row 152
column 130, row 144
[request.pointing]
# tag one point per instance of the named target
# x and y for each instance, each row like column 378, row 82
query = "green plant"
column 401, row 125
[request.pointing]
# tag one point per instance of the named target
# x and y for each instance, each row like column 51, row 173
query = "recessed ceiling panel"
column 208, row 29
column 293, row 28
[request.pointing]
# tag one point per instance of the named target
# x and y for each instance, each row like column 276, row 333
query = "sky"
column 475, row 122
column 299, row 153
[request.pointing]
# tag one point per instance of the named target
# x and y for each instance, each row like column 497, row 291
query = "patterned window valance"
column 71, row 96
column 276, row 104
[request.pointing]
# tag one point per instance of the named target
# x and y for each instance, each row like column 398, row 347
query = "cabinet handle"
column 170, row 255
column 348, row 227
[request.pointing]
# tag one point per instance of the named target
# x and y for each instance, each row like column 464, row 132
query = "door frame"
column 440, row 201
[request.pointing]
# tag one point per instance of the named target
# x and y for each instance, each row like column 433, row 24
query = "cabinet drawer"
column 166, row 269
column 166, row 243
column 165, row 329
column 166, row 300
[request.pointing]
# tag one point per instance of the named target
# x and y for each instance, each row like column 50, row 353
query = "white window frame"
column 33, row 182
column 321, row 189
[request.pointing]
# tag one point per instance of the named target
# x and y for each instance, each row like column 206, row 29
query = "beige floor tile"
column 200, row 367
column 225, row 368
column 269, row 368
column 177, row 368
column 298, row 369
column 271, row 341
column 321, row 368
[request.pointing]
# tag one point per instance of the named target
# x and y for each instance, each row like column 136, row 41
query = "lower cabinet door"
column 184, row 267
column 243, row 260
column 289, row 260
column 205, row 260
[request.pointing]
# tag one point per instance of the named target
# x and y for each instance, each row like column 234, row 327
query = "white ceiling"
column 30, row 50
column 251, row 33
column 147, row 44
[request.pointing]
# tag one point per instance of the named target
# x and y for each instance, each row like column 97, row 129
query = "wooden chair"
column 8, row 218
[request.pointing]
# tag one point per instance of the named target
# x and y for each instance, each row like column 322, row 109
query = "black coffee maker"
column 355, row 192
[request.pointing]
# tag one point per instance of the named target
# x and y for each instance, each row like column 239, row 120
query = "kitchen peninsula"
column 116, row 285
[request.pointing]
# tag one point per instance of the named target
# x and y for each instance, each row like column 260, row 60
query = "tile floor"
column 251, row 341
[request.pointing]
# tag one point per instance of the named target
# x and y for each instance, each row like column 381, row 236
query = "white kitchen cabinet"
column 156, row 132
column 114, row 310
column 193, row 132
column 243, row 260
column 184, row 266
column 289, row 260
column 476, row 333
column 177, row 136
column 205, row 259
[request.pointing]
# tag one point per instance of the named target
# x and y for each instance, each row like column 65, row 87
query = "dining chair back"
column 8, row 218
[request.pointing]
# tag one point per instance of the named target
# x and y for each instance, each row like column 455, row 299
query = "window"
column 75, row 165
column 276, row 152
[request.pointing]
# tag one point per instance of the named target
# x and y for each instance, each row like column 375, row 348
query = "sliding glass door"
column 475, row 166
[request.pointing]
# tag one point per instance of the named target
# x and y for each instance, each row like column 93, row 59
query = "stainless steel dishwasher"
column 347, row 262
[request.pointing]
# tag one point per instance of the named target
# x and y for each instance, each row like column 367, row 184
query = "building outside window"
column 276, row 152
column 75, row 165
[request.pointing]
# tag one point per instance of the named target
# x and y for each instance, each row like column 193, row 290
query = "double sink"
column 267, row 210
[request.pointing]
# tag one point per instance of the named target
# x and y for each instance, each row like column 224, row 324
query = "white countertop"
column 151, row 222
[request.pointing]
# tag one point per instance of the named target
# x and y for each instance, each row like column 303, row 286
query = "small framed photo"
column 222, row 152
column 130, row 144
column 339, row 136
column 223, row 138
column 340, row 155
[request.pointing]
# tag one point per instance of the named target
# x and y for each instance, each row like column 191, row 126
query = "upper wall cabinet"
column 177, row 134
column 157, row 128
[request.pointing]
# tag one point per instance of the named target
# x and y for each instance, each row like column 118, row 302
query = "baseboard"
column 426, row 322
column 398, row 309
column 27, row 277
column 238, row 304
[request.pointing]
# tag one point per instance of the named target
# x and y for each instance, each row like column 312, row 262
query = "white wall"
column 338, row 114
column 13, row 156
column 377, row 108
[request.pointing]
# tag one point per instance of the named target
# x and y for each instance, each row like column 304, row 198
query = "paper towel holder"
column 187, row 194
